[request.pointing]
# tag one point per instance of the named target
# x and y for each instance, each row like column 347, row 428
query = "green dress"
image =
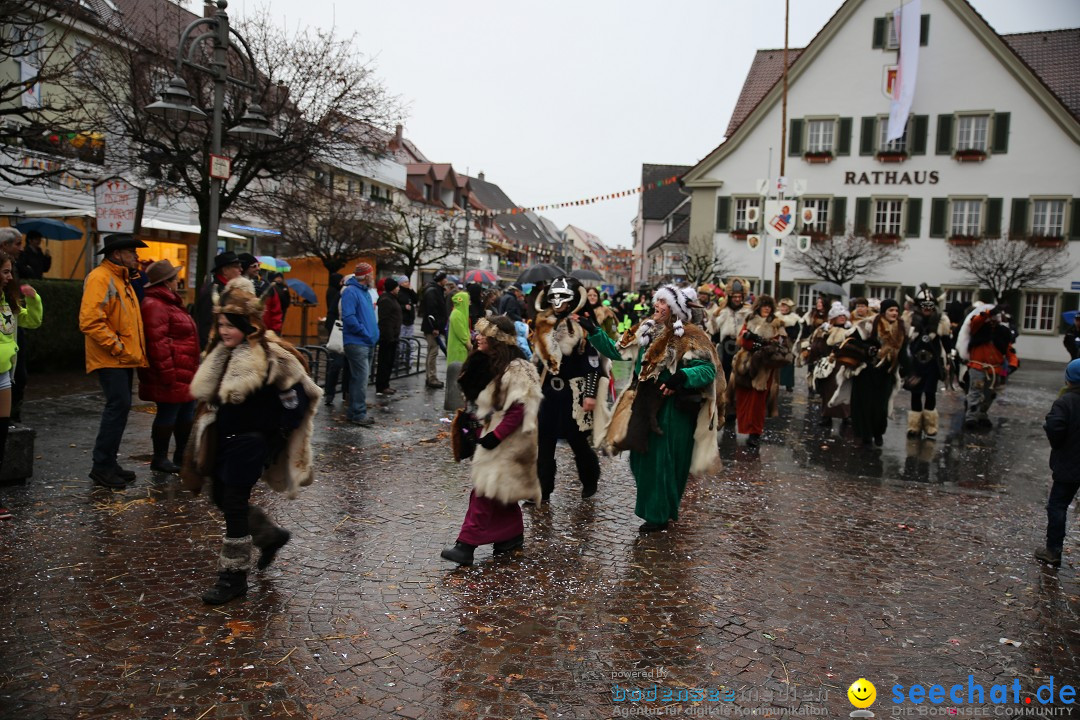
column 661, row 473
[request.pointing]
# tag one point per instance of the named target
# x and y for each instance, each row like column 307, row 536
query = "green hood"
column 460, row 300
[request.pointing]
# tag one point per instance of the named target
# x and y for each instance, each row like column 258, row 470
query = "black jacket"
column 511, row 307
column 389, row 318
column 204, row 308
column 1072, row 342
column 333, row 297
column 1062, row 428
column 32, row 263
column 433, row 309
column 407, row 296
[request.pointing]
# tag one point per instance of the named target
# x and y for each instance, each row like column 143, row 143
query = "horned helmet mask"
column 564, row 295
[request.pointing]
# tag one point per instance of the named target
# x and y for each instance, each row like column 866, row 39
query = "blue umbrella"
column 51, row 229
column 1069, row 316
column 302, row 289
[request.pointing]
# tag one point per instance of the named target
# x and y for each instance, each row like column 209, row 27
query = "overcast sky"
column 565, row 99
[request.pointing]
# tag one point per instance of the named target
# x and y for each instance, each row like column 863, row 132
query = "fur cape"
column 230, row 376
column 727, row 321
column 661, row 348
column 748, row 372
column 508, row 472
column 892, row 344
column 554, row 337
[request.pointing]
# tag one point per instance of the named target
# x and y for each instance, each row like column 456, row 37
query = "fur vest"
column 555, row 337
column 508, row 473
column 727, row 322
column 660, row 348
column 230, row 376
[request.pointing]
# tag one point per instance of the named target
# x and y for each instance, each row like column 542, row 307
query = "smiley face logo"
column 862, row 693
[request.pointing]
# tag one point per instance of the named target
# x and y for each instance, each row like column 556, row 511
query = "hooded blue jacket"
column 358, row 315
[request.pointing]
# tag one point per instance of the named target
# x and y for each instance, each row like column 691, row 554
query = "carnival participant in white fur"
column 827, row 371
column 506, row 391
column 881, row 339
column 929, row 344
column 754, row 385
column 724, row 325
column 257, row 408
column 574, row 380
column 668, row 417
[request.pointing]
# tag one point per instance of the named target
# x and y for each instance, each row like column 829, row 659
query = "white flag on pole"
column 907, row 20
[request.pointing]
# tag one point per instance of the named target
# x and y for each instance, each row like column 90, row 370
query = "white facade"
column 961, row 73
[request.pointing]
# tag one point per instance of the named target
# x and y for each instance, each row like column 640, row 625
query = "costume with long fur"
column 756, row 368
column 874, row 384
column 826, row 374
column 507, row 473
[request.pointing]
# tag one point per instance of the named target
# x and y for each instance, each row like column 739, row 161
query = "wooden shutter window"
column 1074, row 220
column 914, row 217
column 867, row 135
column 723, row 213
column 794, row 139
column 994, row 208
column 1018, row 218
column 1000, row 140
column 878, row 40
column 939, row 213
column 924, row 30
column 843, row 138
column 944, row 135
column 920, row 129
column 862, row 216
column 839, row 215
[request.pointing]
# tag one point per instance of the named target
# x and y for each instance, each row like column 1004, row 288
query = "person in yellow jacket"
column 111, row 321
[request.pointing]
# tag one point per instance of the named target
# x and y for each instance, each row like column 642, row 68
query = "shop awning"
column 167, row 226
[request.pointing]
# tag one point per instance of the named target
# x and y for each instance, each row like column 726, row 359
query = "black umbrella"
column 542, row 272
column 587, row 275
column 828, row 288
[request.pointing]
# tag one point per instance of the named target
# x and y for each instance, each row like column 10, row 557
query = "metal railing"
column 411, row 359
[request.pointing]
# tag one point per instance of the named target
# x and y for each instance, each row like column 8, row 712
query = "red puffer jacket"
column 172, row 347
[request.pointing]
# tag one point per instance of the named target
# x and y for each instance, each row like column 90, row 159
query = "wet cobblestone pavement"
column 799, row 568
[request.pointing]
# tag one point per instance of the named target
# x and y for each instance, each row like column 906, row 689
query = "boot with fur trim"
column 930, row 423
column 266, row 535
column 233, row 565
column 914, row 423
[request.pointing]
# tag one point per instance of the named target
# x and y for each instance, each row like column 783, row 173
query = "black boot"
column 508, row 545
column 182, row 432
column 233, row 565
column 229, row 585
column 4, row 426
column 266, row 536
column 649, row 527
column 461, row 553
column 753, row 441
column 160, row 435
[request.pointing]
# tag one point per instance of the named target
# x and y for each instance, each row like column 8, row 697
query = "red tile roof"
column 1053, row 55
column 765, row 72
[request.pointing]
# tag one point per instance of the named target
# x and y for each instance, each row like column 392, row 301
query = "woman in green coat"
column 667, row 418
column 458, row 341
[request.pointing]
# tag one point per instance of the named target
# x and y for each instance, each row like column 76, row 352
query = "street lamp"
column 176, row 105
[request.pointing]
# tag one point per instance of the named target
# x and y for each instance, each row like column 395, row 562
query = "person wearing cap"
column 273, row 317
column 360, row 335
column 1072, row 338
column 668, row 417
column 257, row 406
column 408, row 299
column 389, row 312
column 433, row 319
column 505, row 389
column 226, row 267
column 172, row 354
column 111, row 323
column 824, row 373
column 1062, row 427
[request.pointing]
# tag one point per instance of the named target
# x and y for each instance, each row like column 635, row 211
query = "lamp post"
column 212, row 36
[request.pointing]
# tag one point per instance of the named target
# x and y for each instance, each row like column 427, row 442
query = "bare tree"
column 321, row 95
column 1003, row 265
column 701, row 266
column 331, row 226
column 842, row 258
column 43, row 132
column 418, row 239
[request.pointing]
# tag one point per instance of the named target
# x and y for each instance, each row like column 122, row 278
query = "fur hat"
column 762, row 301
column 676, row 301
column 738, row 285
column 239, row 299
column 787, row 301
column 837, row 310
column 489, row 328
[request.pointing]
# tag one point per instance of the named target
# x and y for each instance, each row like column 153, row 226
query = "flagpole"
column 783, row 141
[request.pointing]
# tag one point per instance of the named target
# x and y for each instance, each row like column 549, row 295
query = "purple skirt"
column 490, row 521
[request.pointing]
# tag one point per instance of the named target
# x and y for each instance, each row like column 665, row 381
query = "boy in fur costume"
column 763, row 349
column 675, row 368
column 574, row 383
column 506, row 390
column 874, row 384
column 929, row 343
column 825, row 372
column 257, row 408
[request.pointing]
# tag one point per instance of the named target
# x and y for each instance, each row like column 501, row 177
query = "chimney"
column 396, row 142
column 480, row 176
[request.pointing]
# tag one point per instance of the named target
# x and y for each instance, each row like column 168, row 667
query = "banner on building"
column 908, row 20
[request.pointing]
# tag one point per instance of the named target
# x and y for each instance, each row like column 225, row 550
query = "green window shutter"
column 1000, row 142
column 944, row 134
column 794, row 139
column 862, row 215
column 787, row 290
column 1018, row 218
column 879, row 33
column 857, row 290
column 924, row 30
column 1074, row 220
column 920, row 129
column 994, row 208
column 723, row 214
column 914, row 217
column 839, row 215
column 867, row 139
column 939, row 211
column 843, row 139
